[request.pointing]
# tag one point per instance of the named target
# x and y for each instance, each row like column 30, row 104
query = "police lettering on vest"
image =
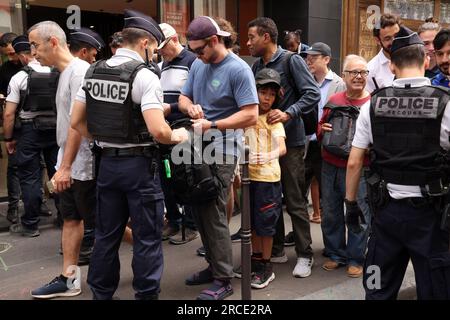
column 108, row 91
column 406, row 126
column 112, row 116
column 409, row 107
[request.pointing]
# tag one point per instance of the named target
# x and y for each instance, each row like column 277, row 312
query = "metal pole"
column 246, row 232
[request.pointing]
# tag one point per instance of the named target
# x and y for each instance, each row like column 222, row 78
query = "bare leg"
column 72, row 235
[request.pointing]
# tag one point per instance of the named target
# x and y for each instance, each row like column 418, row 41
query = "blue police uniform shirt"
column 441, row 80
column 222, row 89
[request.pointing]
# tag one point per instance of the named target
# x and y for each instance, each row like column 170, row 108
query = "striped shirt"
column 173, row 76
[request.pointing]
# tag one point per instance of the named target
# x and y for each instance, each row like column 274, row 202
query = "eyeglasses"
column 35, row 46
column 200, row 50
column 355, row 73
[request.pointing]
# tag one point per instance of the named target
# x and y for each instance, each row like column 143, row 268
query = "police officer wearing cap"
column 30, row 128
column 407, row 127
column 120, row 107
column 85, row 44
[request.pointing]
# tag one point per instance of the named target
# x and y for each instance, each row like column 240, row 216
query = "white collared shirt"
column 146, row 92
column 379, row 69
column 363, row 136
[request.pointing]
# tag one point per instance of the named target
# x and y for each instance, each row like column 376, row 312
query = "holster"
column 377, row 192
column 96, row 154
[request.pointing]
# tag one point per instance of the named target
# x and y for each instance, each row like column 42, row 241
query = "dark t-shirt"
column 7, row 71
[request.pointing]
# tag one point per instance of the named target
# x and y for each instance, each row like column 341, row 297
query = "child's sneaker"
column 255, row 266
column 263, row 276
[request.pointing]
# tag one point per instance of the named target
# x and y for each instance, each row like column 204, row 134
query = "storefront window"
column 410, row 9
column 217, row 8
column 177, row 14
column 445, row 11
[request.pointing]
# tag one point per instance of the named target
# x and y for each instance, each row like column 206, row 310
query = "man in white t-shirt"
column 30, row 129
column 407, row 127
column 73, row 181
column 380, row 75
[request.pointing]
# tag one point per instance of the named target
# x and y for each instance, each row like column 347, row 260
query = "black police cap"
column 21, row 44
column 136, row 19
column 88, row 36
column 404, row 38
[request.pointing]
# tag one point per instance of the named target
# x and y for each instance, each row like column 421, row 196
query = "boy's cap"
column 21, row 44
column 266, row 76
column 319, row 48
column 168, row 32
column 204, row 27
column 88, row 36
column 404, row 38
column 136, row 19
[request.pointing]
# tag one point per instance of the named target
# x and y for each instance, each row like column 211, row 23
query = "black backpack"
column 343, row 119
column 192, row 184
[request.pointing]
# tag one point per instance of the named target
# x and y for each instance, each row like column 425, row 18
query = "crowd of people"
column 375, row 163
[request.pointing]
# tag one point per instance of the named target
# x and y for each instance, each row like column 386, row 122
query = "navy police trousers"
column 127, row 187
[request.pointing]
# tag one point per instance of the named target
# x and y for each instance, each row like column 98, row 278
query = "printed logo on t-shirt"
column 215, row 83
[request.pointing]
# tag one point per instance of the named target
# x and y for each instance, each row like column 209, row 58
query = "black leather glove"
column 354, row 216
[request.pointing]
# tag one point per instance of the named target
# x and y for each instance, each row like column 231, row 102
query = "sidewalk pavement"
column 32, row 262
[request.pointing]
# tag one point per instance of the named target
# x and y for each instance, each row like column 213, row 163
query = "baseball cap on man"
column 266, row 76
column 21, row 44
column 204, row 27
column 319, row 48
column 88, row 36
column 168, row 32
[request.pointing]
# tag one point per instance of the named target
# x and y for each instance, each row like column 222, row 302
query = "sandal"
column 218, row 291
column 198, row 278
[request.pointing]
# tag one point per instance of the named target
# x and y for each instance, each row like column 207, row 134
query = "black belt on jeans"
column 128, row 152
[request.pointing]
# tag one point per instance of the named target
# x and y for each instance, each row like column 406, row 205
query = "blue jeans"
column 333, row 218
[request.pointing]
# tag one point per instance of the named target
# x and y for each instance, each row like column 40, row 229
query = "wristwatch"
column 214, row 125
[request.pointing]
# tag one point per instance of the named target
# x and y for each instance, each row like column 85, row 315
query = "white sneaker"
column 303, row 267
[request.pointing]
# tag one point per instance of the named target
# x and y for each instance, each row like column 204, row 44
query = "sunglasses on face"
column 200, row 50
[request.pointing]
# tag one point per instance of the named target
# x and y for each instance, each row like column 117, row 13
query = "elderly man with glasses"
column 334, row 167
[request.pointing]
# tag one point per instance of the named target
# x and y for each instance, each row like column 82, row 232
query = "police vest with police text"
column 112, row 116
column 40, row 94
column 406, row 127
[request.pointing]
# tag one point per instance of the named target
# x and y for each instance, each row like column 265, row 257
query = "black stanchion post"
column 246, row 232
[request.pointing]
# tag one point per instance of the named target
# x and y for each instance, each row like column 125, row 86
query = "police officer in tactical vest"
column 30, row 128
column 120, row 107
column 407, row 128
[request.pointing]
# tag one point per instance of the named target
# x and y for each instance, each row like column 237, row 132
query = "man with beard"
column 380, row 75
column 442, row 53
